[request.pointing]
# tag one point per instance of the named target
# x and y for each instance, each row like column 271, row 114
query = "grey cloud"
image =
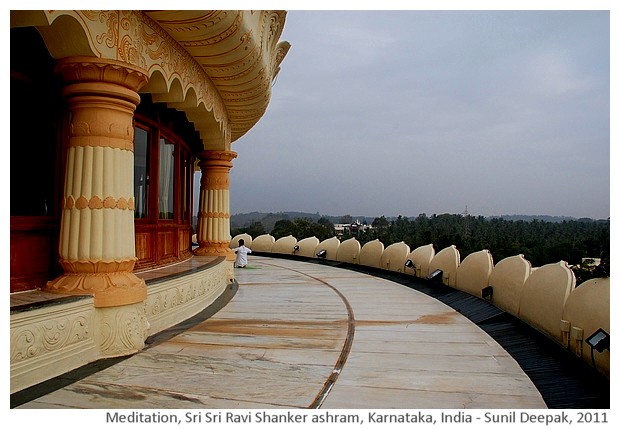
column 410, row 112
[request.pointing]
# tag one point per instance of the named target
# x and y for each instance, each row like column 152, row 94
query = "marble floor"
column 301, row 335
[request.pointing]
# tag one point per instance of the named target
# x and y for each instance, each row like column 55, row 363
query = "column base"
column 205, row 249
column 111, row 283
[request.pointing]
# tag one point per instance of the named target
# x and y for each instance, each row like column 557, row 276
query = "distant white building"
column 350, row 228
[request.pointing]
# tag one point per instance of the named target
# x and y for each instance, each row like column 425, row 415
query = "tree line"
column 541, row 242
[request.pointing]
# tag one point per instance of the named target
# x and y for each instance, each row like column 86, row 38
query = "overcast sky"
column 407, row 112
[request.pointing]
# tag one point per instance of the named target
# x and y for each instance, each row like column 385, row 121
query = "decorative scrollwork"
column 123, row 330
column 195, row 288
column 48, row 336
column 110, row 36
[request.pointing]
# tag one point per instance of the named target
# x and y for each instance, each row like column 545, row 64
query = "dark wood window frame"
column 163, row 241
column 38, row 142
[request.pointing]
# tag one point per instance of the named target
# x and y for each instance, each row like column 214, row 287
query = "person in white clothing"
column 242, row 254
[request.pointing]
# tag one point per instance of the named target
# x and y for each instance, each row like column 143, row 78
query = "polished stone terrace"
column 302, row 335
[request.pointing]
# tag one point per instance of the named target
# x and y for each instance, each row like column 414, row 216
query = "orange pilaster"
column 97, row 239
column 214, row 207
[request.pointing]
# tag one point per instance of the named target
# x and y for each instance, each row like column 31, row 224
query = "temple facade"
column 112, row 113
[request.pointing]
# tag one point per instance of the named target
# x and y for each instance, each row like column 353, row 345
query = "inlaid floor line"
column 346, row 348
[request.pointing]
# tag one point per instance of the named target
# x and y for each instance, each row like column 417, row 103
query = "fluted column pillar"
column 97, row 238
column 214, row 206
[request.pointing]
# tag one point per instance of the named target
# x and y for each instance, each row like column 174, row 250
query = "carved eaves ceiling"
column 238, row 50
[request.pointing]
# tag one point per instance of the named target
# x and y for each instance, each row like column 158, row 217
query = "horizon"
column 316, row 213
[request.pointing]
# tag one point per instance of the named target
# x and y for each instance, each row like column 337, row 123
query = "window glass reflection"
column 141, row 172
column 166, row 179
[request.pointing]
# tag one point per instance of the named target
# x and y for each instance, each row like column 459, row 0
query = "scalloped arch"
column 191, row 99
column 157, row 83
column 64, row 35
column 174, row 94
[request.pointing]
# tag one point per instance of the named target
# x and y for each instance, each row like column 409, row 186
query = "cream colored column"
column 97, row 238
column 214, row 211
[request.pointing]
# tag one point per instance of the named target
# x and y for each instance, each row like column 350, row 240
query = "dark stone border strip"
column 195, row 269
column 15, row 309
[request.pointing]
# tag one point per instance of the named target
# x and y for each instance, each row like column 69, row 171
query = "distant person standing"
column 242, row 254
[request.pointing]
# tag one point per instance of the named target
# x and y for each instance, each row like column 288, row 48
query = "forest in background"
column 540, row 241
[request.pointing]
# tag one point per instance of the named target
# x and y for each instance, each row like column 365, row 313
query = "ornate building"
column 112, row 112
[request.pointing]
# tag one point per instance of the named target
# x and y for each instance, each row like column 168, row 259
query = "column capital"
column 215, row 166
column 92, row 69
column 221, row 158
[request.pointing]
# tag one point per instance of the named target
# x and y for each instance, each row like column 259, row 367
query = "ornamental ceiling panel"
column 239, row 51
